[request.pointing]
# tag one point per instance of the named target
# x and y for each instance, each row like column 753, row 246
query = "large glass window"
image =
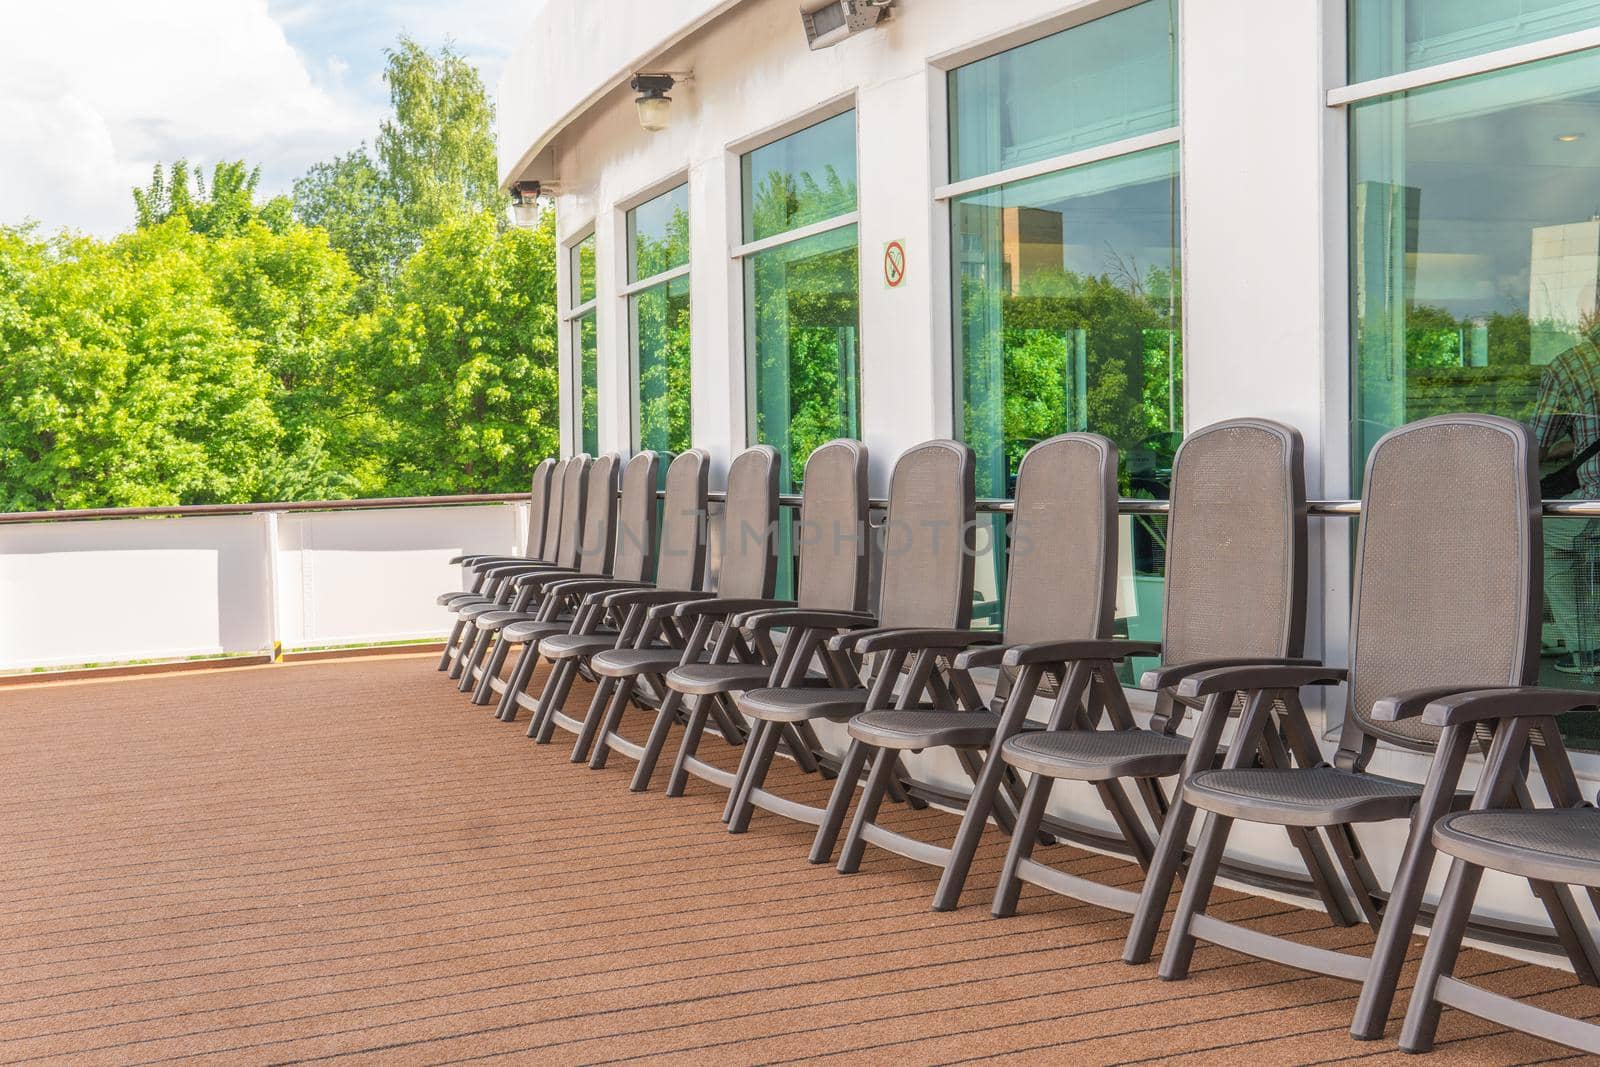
column 1392, row 36
column 658, row 316
column 1067, row 312
column 1475, row 269
column 585, row 344
column 1104, row 81
column 802, row 315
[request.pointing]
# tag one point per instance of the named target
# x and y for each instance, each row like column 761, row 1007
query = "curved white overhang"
column 575, row 53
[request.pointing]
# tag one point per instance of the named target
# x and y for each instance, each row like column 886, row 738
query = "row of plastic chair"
column 1444, row 641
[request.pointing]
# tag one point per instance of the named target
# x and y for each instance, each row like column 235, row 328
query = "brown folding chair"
column 832, row 565
column 1061, row 575
column 600, row 624
column 569, row 485
column 746, row 575
column 1235, row 590
column 1447, row 599
column 925, row 585
column 544, row 518
column 1555, row 846
column 560, row 597
column 521, row 588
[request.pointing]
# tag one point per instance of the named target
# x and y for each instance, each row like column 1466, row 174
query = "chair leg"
column 760, row 763
column 802, row 752
column 491, row 670
column 679, row 778
column 450, row 643
column 1196, row 894
column 521, row 674
column 844, row 788
column 1439, row 960
column 1023, row 838
column 985, row 786
column 591, row 743
column 866, row 811
column 480, row 646
column 659, row 730
column 552, row 698
column 747, row 756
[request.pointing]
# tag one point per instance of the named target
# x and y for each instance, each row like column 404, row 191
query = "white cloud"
column 96, row 92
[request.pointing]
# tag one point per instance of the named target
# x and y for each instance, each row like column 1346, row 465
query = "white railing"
column 128, row 585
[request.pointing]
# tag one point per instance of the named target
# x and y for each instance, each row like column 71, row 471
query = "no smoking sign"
column 894, row 264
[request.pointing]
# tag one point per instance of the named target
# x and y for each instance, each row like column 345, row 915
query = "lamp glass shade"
column 525, row 211
column 654, row 112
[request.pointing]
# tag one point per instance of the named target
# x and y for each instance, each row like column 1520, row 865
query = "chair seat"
column 1315, row 796
column 479, row 608
column 569, row 646
column 500, row 618
column 802, row 704
column 1553, row 846
column 705, row 679
column 918, row 729
column 457, row 597
column 632, row 662
column 533, row 630
column 1097, row 755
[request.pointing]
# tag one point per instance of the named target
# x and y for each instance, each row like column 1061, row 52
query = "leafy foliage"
column 383, row 333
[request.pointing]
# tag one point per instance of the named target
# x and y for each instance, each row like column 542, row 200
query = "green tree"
column 221, row 207
column 438, row 151
column 348, row 198
column 124, row 383
column 461, row 359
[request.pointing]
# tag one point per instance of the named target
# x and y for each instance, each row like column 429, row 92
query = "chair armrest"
column 541, row 580
column 1478, row 705
column 725, row 606
column 918, row 640
column 595, row 587
column 981, row 656
column 1112, row 648
column 482, row 559
column 651, row 598
column 803, row 618
column 1246, row 678
column 501, row 568
column 1411, row 703
column 1168, row 676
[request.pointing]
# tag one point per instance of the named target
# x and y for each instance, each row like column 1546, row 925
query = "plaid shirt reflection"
column 1569, row 406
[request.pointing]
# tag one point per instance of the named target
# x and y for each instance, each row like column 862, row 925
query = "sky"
column 93, row 93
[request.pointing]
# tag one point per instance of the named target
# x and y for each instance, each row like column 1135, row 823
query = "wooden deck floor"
column 342, row 860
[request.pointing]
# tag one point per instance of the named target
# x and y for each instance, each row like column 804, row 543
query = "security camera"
column 828, row 22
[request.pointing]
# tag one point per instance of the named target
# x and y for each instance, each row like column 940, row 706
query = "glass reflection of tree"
column 589, row 393
column 663, row 337
column 807, row 311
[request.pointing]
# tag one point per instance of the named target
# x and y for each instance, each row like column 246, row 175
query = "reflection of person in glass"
column 1566, row 421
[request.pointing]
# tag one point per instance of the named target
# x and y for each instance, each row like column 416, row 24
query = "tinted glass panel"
column 806, row 177
column 1096, row 83
column 1390, row 36
column 583, row 289
column 661, row 343
column 588, row 348
column 803, row 316
column 658, row 234
column 1069, row 319
column 1475, row 264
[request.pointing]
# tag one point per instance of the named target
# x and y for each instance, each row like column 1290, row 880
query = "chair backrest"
column 599, row 537
column 1062, row 559
column 539, row 509
column 749, row 566
column 681, row 559
column 1236, row 544
column 634, row 557
column 833, row 537
column 574, row 501
column 1448, row 571
column 927, row 539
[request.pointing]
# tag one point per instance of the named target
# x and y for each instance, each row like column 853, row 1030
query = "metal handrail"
column 993, row 506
